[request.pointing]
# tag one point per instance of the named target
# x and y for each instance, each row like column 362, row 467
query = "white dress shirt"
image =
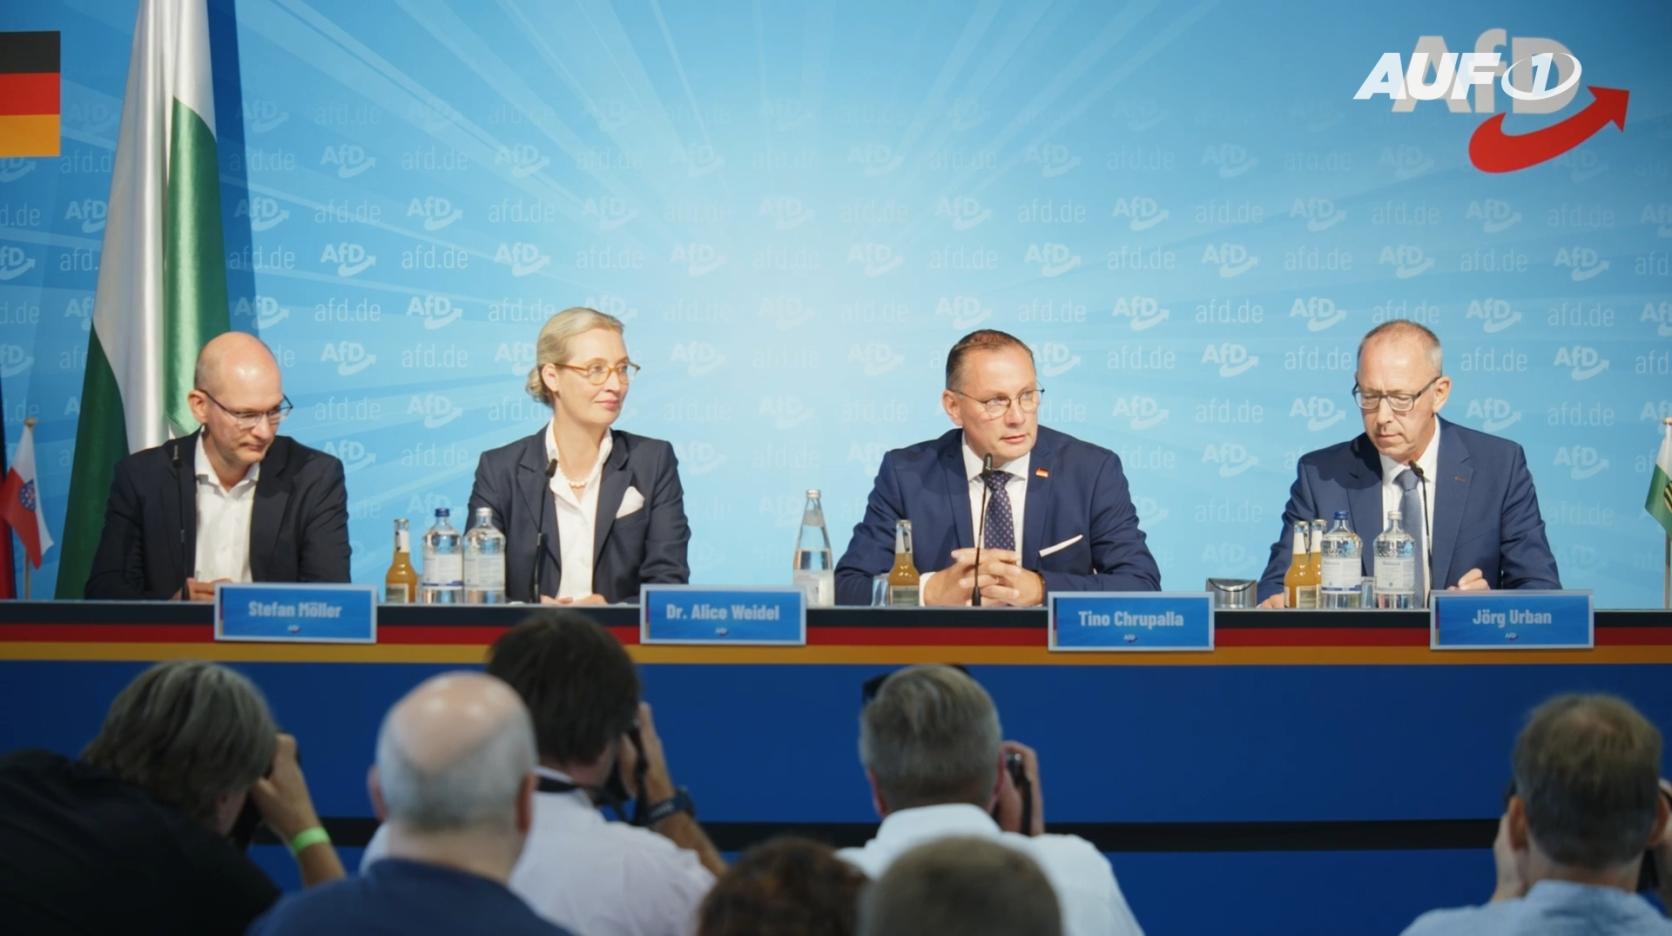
column 223, row 522
column 1016, row 487
column 596, row 877
column 1392, row 496
column 1091, row 901
column 577, row 518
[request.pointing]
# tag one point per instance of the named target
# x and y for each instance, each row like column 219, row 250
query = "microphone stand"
column 1427, row 529
column 981, row 529
column 539, row 566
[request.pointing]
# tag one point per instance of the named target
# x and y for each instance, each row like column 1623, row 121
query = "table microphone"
column 981, row 529
column 1427, row 527
column 540, row 533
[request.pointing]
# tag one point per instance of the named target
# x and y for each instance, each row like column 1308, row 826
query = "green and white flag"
column 1660, row 484
column 162, row 272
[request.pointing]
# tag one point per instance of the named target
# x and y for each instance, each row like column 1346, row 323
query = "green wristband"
column 309, row 837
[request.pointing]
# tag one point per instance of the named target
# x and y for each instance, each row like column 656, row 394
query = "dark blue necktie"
column 1001, row 523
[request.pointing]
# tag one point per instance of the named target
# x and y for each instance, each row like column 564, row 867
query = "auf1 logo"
column 1542, row 77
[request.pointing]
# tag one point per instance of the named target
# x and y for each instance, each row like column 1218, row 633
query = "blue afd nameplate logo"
column 1511, row 620
column 296, row 613
column 1133, row 621
column 693, row 614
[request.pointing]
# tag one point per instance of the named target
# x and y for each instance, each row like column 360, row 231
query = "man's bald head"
column 453, row 754
column 235, row 360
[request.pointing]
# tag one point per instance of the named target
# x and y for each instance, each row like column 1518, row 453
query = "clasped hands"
column 1001, row 578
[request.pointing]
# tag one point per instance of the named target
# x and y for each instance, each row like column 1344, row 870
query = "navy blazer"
column 298, row 523
column 1485, row 511
column 647, row 545
column 1075, row 489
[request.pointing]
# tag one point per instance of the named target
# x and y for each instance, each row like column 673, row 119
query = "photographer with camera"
column 931, row 745
column 141, row 835
column 1588, row 802
column 597, row 745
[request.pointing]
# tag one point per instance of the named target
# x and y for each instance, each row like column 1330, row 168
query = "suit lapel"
column 612, row 486
column 1364, row 498
column 272, row 496
column 1453, row 471
column 1038, row 503
column 185, row 496
column 532, row 487
column 957, row 493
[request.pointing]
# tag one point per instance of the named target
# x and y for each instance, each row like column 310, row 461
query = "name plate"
column 738, row 614
column 1511, row 620
column 1130, row 621
column 296, row 613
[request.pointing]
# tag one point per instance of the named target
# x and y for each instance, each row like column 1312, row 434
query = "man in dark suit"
column 1469, row 494
column 1059, row 516
column 233, row 501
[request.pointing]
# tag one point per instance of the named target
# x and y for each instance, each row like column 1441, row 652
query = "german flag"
column 29, row 83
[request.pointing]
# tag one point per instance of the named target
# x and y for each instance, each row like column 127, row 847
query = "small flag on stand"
column 29, row 94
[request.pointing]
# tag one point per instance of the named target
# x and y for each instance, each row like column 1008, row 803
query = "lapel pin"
column 1041, row 473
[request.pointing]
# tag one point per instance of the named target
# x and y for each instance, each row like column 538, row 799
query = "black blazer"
column 298, row 525
column 647, row 545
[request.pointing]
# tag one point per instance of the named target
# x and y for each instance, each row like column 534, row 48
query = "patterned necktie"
column 1412, row 517
column 1001, row 523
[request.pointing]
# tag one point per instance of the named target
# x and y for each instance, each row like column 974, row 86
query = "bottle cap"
column 812, row 492
column 443, row 512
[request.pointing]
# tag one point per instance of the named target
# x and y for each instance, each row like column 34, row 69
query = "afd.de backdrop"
column 797, row 207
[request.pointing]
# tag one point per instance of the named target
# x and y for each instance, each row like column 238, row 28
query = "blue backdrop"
column 796, row 208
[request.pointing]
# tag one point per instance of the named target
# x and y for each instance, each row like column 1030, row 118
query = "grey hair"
column 1409, row 329
column 931, row 736
column 970, row 886
column 476, row 788
column 187, row 732
column 552, row 347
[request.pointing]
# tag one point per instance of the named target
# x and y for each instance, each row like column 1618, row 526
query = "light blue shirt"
column 1551, row 908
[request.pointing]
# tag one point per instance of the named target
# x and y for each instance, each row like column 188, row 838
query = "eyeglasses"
column 1028, row 400
column 248, row 420
column 598, row 372
column 1398, row 402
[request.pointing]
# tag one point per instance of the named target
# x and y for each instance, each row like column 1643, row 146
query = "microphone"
column 540, row 533
column 981, row 529
column 1427, row 527
column 185, row 562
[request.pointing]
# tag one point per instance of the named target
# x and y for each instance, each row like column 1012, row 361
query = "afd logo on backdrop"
column 1319, row 412
column 352, row 453
column 1053, row 259
column 962, row 312
column 1231, row 458
column 1582, row 262
column 435, row 409
column 1141, row 214
column 1321, row 214
column 1233, row 260
column 785, row 211
column 350, row 159
column 699, row 357
column 14, row 360
column 1583, row 361
column 265, row 212
column 1140, row 412
column 1495, row 315
column 13, row 169
column 436, row 211
column 523, row 259
column 436, row 311
column 1542, row 77
column 266, row 311
column 1581, row 461
column 90, row 212
column 14, row 263
column 1492, row 414
column 351, row 258
column 351, row 357
column 963, row 211
column 1142, row 312
column 1056, row 359
column 1232, row 359
column 1320, row 313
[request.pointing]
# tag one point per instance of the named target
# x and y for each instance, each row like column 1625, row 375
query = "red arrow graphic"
column 1493, row 150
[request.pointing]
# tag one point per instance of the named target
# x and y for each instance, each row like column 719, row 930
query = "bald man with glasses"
column 1465, row 496
column 232, row 502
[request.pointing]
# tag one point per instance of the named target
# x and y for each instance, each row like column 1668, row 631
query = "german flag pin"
column 1042, row 472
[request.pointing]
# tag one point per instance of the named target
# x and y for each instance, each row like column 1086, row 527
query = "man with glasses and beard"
column 1466, row 497
column 232, row 502
column 1059, row 515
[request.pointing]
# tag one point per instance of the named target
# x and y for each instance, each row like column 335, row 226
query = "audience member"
column 968, row 886
column 1587, row 804
column 454, row 785
column 784, row 887
column 578, row 870
column 930, row 743
column 134, row 836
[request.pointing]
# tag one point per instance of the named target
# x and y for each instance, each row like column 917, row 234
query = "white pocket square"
column 631, row 502
column 1062, row 545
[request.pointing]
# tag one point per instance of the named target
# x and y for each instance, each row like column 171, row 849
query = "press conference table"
column 1317, row 772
